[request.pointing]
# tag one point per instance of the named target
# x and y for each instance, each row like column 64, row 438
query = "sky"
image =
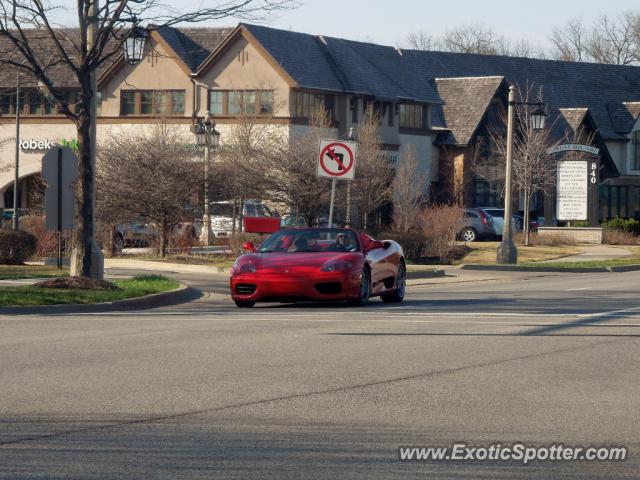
column 389, row 22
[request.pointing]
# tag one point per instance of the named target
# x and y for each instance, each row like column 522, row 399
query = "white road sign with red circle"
column 337, row 159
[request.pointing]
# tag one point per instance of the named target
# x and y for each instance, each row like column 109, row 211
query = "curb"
column 176, row 296
column 501, row 268
column 420, row 274
column 624, row 268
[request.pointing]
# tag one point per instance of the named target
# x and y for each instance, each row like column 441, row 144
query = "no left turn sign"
column 337, row 159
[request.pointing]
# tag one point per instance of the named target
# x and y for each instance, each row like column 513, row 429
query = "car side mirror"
column 248, row 246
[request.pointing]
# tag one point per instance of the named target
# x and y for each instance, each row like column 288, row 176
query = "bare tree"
column 570, row 42
column 372, row 184
column 533, row 168
column 472, row 38
column 613, row 41
column 409, row 189
column 32, row 44
column 422, row 40
column 152, row 175
column 287, row 167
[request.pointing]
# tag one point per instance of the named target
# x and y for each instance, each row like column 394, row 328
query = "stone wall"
column 573, row 234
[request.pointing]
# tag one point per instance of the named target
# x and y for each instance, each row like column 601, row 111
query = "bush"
column 619, row 237
column 16, row 246
column 441, row 225
column 627, row 225
column 47, row 239
column 556, row 240
column 413, row 243
column 184, row 239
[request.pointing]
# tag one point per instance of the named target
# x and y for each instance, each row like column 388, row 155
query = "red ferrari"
column 314, row 264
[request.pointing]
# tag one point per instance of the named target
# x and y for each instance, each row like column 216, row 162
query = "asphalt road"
column 205, row 390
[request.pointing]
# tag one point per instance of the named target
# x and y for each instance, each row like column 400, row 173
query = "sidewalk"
column 595, row 252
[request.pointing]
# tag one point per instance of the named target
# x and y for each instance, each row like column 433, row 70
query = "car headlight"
column 246, row 267
column 336, row 266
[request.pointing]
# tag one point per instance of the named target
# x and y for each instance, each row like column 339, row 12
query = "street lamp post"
column 208, row 137
column 507, row 251
column 16, row 182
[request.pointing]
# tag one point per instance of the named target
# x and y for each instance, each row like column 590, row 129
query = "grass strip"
column 128, row 288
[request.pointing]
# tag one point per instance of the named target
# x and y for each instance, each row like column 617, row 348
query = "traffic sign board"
column 337, row 159
column 59, row 171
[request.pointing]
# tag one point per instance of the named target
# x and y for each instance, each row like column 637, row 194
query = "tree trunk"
column 163, row 239
column 85, row 197
column 525, row 227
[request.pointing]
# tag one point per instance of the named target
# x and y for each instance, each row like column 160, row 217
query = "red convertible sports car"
column 319, row 264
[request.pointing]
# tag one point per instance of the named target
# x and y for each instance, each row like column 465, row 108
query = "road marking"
column 578, row 289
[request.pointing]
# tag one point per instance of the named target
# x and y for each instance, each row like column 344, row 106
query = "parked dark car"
column 477, row 225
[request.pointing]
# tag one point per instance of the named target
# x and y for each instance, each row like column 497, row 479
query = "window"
column 249, row 102
column 235, row 102
column 146, row 102
column 266, row 102
column 636, row 150
column 392, row 114
column 128, row 105
column 98, row 103
column 619, row 201
column 412, row 115
column 216, row 105
column 33, row 102
column 152, row 102
column 233, row 105
column 305, row 104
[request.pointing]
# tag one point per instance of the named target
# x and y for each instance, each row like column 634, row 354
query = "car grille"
column 245, row 288
column 329, row 288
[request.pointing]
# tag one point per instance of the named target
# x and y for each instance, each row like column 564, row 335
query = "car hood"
column 295, row 262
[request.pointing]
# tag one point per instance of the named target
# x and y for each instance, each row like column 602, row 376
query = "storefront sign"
column 573, row 190
column 33, row 145
column 573, row 147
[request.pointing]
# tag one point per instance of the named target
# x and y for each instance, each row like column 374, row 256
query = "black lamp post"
column 507, row 251
column 208, row 137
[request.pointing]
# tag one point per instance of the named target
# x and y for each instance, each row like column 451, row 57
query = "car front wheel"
column 364, row 291
column 397, row 295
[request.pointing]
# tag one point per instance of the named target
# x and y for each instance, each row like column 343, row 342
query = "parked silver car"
column 477, row 225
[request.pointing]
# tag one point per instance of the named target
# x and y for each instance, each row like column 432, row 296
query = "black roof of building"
column 344, row 65
column 339, row 65
column 193, row 45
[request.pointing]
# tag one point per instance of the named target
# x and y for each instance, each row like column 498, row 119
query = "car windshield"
column 311, row 240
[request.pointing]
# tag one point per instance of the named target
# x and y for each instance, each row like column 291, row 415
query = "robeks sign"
column 32, row 145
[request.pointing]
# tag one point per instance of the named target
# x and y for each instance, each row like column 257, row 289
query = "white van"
column 221, row 214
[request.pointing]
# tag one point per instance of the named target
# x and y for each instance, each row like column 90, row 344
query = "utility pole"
column 16, row 182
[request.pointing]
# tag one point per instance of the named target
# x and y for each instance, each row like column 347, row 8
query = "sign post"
column 577, row 185
column 572, row 190
column 59, row 170
column 337, row 160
